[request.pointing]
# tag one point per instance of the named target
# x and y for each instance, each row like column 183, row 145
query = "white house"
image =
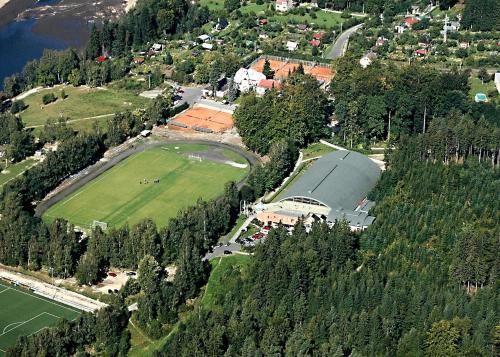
column 497, row 81
column 284, row 5
column 267, row 84
column 247, row 79
column 157, row 47
column 207, row 46
column 204, row 37
column 367, row 59
column 291, row 46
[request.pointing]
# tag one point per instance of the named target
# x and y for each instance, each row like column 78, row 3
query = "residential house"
column 410, row 21
column 422, row 52
column 400, row 28
column 497, row 81
column 157, row 47
column 263, row 22
column 263, row 35
column 367, row 59
column 220, row 90
column 207, row 46
column 221, row 24
column 204, row 38
column 138, row 60
column 315, row 43
column 302, row 27
column 284, row 5
column 247, row 79
column 101, row 59
column 318, row 35
column 292, row 46
column 463, row 45
column 380, row 41
column 267, row 84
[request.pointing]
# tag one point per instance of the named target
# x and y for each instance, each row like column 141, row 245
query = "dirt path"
column 75, row 120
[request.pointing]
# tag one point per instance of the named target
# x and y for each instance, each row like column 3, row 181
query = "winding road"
column 339, row 47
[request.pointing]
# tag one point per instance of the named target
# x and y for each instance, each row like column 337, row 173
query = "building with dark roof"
column 335, row 187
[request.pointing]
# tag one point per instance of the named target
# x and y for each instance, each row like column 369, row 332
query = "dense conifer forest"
column 420, row 281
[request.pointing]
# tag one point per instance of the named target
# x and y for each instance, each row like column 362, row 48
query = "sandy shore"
column 3, row 2
column 130, row 4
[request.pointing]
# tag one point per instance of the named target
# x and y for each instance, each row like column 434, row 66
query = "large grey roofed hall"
column 341, row 179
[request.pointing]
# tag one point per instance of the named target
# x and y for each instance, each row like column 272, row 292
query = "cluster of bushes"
column 48, row 98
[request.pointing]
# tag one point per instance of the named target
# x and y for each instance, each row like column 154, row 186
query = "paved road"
column 339, row 45
column 235, row 248
column 191, row 95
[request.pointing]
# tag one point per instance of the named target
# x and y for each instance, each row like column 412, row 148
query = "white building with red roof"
column 284, row 5
column 267, row 84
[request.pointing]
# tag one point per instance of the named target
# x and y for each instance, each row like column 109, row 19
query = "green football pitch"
column 23, row 313
column 155, row 183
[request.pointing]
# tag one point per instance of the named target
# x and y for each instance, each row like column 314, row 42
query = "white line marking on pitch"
column 1, row 292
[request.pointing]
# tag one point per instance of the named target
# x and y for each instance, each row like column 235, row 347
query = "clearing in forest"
column 155, row 184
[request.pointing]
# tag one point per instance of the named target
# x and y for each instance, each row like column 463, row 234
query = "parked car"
column 131, row 273
column 227, row 252
column 257, row 236
column 111, row 274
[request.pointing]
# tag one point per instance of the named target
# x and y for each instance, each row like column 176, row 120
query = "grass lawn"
column 217, row 286
column 477, row 87
column 253, row 7
column 81, row 102
column 315, row 150
column 120, row 196
column 15, row 169
column 323, row 19
column 212, row 4
column 24, row 313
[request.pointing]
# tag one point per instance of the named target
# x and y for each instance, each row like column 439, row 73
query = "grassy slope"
column 81, row 102
column 15, row 169
column 117, row 196
column 216, row 285
column 323, row 19
column 315, row 150
column 19, row 305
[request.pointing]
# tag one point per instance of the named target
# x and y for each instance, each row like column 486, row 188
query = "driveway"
column 235, row 248
column 191, row 95
column 341, row 43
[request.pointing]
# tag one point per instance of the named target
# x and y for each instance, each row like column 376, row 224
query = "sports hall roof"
column 341, row 179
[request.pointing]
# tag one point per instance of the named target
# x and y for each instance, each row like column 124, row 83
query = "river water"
column 19, row 44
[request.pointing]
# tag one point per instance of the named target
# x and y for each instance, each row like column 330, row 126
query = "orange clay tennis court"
column 202, row 119
column 282, row 69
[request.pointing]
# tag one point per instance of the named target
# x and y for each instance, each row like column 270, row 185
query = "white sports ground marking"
column 19, row 324
column 8, row 288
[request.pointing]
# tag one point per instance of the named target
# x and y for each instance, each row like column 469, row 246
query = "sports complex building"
column 333, row 188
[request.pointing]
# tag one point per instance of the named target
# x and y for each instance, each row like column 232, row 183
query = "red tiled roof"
column 410, row 21
column 269, row 84
column 263, row 21
column 318, row 35
column 421, row 51
column 101, row 59
column 315, row 43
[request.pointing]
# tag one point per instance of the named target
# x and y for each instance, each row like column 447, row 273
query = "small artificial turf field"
column 23, row 313
column 127, row 193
